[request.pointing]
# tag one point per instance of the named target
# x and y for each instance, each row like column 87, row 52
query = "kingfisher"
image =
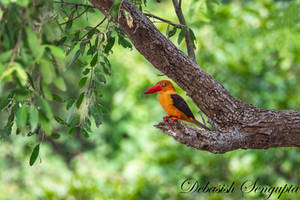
column 173, row 104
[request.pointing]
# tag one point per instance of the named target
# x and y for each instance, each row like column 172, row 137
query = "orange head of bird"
column 161, row 86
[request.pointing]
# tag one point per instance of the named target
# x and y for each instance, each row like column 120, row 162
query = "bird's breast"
column 166, row 102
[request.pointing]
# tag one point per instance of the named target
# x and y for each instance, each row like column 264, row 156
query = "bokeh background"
column 251, row 47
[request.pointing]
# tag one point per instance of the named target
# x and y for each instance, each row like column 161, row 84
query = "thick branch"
column 222, row 142
column 232, row 118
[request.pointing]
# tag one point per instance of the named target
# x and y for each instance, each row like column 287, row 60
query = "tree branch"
column 84, row 11
column 189, row 43
column 164, row 20
column 99, row 24
column 237, row 124
column 222, row 142
column 74, row 4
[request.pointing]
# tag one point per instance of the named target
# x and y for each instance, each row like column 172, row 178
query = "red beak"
column 154, row 89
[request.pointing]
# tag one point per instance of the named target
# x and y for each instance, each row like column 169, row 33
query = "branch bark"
column 237, row 124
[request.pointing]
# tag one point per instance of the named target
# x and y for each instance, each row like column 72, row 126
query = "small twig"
column 189, row 43
column 93, row 28
column 74, row 4
column 85, row 10
column 16, row 48
column 165, row 20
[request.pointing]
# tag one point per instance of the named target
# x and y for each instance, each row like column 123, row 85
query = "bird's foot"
column 174, row 119
column 167, row 117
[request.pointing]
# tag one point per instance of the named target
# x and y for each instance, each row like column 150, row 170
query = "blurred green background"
column 251, row 47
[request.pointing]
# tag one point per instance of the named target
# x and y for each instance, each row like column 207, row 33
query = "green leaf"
column 79, row 100
column 124, row 43
column 107, row 61
column 21, row 73
column 33, row 118
column 76, row 55
column 13, row 111
column 6, row 131
column 5, row 56
column 70, row 103
column 96, row 114
column 91, row 11
column 192, row 37
column 91, row 33
column 10, row 121
column 181, row 36
column 21, row 93
column 46, row 91
column 45, row 123
column 109, row 45
column 60, row 83
column 94, row 60
column 69, row 25
column 76, row 36
column 84, row 133
column 47, row 71
column 96, row 41
column 45, row 107
column 87, row 124
column 86, row 71
column 70, row 112
column 72, row 131
column 21, row 117
column 25, row 55
column 61, row 41
column 5, row 100
column 172, row 32
column 56, row 51
column 105, row 69
column 106, row 66
column 57, row 98
column 82, row 47
column 34, row 44
column 82, row 82
column 34, row 154
column 60, row 121
column 91, row 50
column 55, row 136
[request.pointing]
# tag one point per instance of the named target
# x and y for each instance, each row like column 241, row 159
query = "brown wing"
column 181, row 105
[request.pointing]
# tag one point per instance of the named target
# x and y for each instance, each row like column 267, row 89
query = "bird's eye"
column 164, row 84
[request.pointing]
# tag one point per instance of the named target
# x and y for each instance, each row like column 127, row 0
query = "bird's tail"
column 199, row 124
